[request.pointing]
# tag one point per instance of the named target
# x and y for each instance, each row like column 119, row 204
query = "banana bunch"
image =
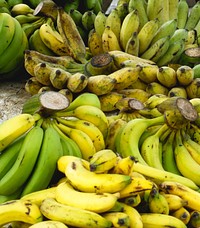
column 13, row 44
column 110, row 191
column 156, row 30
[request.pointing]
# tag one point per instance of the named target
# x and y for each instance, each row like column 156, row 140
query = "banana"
column 118, row 219
column 182, row 14
column 138, row 84
column 134, row 216
column 15, row 127
column 148, row 73
column 157, row 202
column 76, row 15
column 161, row 220
column 40, row 178
column 132, row 45
column 157, row 49
column 18, row 210
column 70, row 35
column 185, row 192
column 156, row 88
column 138, row 185
column 37, row 197
column 7, row 29
column 87, row 181
column 23, row 166
column 94, row 202
column 72, row 216
column 168, row 159
column 113, row 129
column 122, row 9
column 174, row 50
column 32, row 86
column 166, row 29
column 173, row 9
column 87, row 20
column 146, row 35
column 36, row 43
column 183, row 214
column 193, row 17
column 159, row 176
column 194, row 218
column 133, row 201
column 185, row 162
column 179, row 34
column 193, row 89
column 141, row 8
column 52, row 39
column 90, row 129
column 130, row 24
column 150, row 148
column 27, row 18
column 155, row 100
column 167, row 76
column 109, row 100
column 124, row 77
column 159, row 10
column 185, row 75
column 110, row 41
column 77, row 82
column 102, row 161
column 174, row 201
column 177, row 91
column 21, row 9
column 95, row 42
column 99, row 22
column 49, row 224
column 113, row 20
column 9, row 155
column 129, row 147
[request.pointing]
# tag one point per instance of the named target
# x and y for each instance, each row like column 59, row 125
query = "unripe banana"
column 193, row 89
column 156, row 88
column 99, row 23
column 21, row 9
column 182, row 16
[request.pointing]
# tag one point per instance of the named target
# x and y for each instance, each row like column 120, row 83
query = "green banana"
column 87, row 20
column 182, row 15
column 23, row 166
column 193, row 17
column 46, row 164
column 28, row 18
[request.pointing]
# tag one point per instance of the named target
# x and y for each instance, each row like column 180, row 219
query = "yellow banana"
column 99, row 22
column 87, row 181
column 185, row 192
column 18, row 210
column 132, row 45
column 192, row 89
column 157, row 202
column 151, row 220
column 49, row 224
column 185, row 75
column 103, row 161
column 94, row 202
column 183, row 214
column 130, row 24
column 195, row 218
column 123, row 165
column 15, row 127
column 72, row 216
column 178, row 91
column 167, row 76
column 156, row 88
column 77, row 82
column 138, row 84
column 118, row 219
column 133, row 201
column 32, row 86
column 148, row 73
column 155, row 100
column 95, row 42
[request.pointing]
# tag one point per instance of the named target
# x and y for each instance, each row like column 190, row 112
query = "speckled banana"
column 183, row 214
column 118, row 219
column 156, row 88
column 157, row 202
column 161, row 220
column 84, row 180
column 99, row 203
column 185, row 192
column 95, row 42
column 99, row 22
column 15, row 127
column 195, row 218
column 77, row 82
column 148, row 73
column 130, row 24
column 132, row 45
column 18, row 210
column 167, row 76
column 72, row 216
column 185, row 75
column 177, row 91
column 90, row 129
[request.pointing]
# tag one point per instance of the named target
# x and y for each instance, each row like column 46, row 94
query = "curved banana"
column 99, row 23
column 182, row 14
column 118, row 219
column 49, row 224
column 87, row 181
column 193, row 17
column 77, row 82
column 72, row 216
column 148, row 73
column 90, row 201
column 185, row 192
column 167, row 76
column 18, row 210
column 103, row 161
column 133, row 201
column 195, row 218
column 178, row 91
column 183, row 214
column 95, row 42
column 185, row 75
column 132, row 45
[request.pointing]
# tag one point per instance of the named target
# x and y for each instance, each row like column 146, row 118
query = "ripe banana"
column 95, row 42
column 15, row 127
column 103, row 161
column 167, row 76
column 18, row 210
column 132, row 45
column 72, row 216
column 94, row 202
column 87, row 181
column 183, row 214
column 185, row 75
column 49, row 224
column 118, row 219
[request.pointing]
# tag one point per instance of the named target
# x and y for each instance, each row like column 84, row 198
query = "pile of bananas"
column 155, row 30
column 32, row 142
column 107, row 191
column 12, row 46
